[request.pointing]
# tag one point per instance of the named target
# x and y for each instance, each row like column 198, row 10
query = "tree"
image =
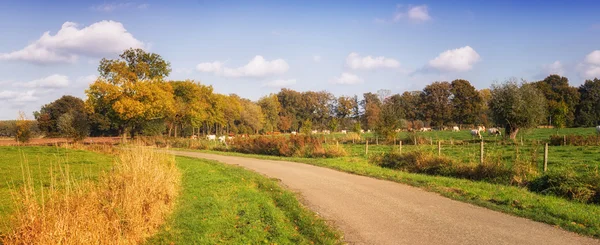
column 270, row 107
column 391, row 113
column 190, row 105
column 484, row 114
column 22, row 128
column 251, row 116
column 437, row 106
column 516, row 106
column 372, row 108
column 344, row 109
column 561, row 98
column 73, row 124
column 466, row 102
column 131, row 90
column 411, row 102
column 306, row 127
column 588, row 110
column 49, row 115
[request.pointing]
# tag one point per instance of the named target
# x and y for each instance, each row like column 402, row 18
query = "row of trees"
column 132, row 95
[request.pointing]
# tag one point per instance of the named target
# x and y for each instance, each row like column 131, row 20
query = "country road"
column 372, row 211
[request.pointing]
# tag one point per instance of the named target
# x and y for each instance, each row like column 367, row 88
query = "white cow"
column 211, row 137
column 294, row 132
column 326, row 131
column 362, row 131
column 425, row 129
column 475, row 132
column 494, row 131
column 455, row 129
column 344, row 132
column 314, row 131
column 222, row 138
column 481, row 128
column 598, row 129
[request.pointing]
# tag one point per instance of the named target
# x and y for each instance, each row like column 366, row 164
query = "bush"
column 295, row 145
column 568, row 184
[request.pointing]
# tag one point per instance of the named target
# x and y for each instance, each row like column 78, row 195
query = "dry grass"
column 125, row 206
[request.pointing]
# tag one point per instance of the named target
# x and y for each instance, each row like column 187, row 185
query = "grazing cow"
column 494, row 131
column 598, row 129
column 229, row 137
column 362, row 131
column 294, row 132
column 344, row 132
column 425, row 129
column 222, row 138
column 368, row 131
column 326, row 132
column 455, row 129
column 314, row 131
column 475, row 132
column 211, row 137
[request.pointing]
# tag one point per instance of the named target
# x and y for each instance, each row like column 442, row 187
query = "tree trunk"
column 511, row 132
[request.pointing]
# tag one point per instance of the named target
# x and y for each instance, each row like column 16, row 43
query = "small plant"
column 22, row 128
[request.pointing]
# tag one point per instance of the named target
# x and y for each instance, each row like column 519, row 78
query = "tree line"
column 133, row 96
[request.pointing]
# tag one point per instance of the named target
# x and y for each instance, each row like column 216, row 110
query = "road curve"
column 372, row 211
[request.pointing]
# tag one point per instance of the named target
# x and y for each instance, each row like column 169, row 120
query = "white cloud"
column 280, row 83
column 419, row 13
column 460, row 59
column 347, row 78
column 590, row 68
column 89, row 79
column 317, row 58
column 210, row 67
column 355, row 61
column 28, row 96
column 99, row 39
column 554, row 68
column 109, row 7
column 49, row 82
column 257, row 67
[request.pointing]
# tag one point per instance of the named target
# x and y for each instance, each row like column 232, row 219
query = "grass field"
column 223, row 204
column 41, row 162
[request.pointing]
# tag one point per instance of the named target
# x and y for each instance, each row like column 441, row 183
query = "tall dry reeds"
column 125, row 206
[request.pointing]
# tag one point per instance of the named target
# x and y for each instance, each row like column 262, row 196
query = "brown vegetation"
column 125, row 206
column 296, row 146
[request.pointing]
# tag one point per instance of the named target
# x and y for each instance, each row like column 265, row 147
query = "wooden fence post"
column 367, row 148
column 481, row 153
column 564, row 139
column 439, row 148
column 377, row 140
column 401, row 147
column 546, row 157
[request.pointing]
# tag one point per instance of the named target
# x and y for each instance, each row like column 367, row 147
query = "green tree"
column 562, row 100
column 49, row 115
column 411, row 102
column 270, row 107
column 466, row 102
column 306, row 127
column 516, row 106
column 344, row 110
column 588, row 110
column 436, row 103
column 251, row 116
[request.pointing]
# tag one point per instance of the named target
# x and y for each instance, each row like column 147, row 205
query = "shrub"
column 295, row 145
column 23, row 128
column 568, row 184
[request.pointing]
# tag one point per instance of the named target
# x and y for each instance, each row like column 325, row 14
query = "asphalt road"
column 372, row 211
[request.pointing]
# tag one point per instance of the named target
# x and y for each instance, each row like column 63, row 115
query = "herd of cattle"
column 474, row 132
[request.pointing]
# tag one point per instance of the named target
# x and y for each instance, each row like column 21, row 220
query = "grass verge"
column 222, row 204
column 573, row 216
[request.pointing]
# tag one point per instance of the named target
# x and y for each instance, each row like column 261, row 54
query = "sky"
column 254, row 48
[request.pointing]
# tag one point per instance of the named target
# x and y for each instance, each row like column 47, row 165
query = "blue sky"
column 253, row 48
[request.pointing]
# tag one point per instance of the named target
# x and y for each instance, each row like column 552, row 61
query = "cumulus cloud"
column 89, row 79
column 99, row 39
column 14, row 96
column 355, row 61
column 50, row 82
column 554, row 68
column 419, row 13
column 256, row 68
column 280, row 83
column 457, row 60
column 347, row 79
column 590, row 68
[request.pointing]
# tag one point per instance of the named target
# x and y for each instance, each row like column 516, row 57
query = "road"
column 372, row 211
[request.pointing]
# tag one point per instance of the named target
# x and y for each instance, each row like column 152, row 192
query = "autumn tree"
column 588, row 110
column 436, row 101
column 252, row 118
column 270, row 107
column 132, row 90
column 466, row 102
column 191, row 104
column 292, row 109
column 516, row 106
column 372, row 110
column 22, row 128
column 561, row 99
column 344, row 110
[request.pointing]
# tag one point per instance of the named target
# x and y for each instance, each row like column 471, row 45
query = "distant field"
column 41, row 162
